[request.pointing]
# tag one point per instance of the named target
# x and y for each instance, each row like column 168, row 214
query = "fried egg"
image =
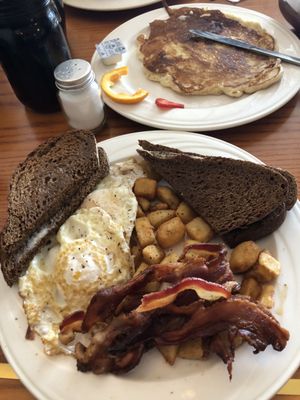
column 89, row 252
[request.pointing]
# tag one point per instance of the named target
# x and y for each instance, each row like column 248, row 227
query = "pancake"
column 193, row 66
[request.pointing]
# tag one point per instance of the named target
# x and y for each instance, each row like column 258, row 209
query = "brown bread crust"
column 258, row 229
column 228, row 194
column 45, row 190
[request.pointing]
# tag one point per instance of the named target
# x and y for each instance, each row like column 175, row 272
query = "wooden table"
column 274, row 139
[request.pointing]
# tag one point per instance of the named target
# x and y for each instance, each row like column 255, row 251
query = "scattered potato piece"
column 194, row 254
column 250, row 287
column 153, row 286
column 169, row 353
column 185, row 213
column 136, row 252
column 191, row 350
column 266, row 269
column 166, row 195
column 170, row 232
column 199, row 230
column 158, row 205
column 170, row 258
column 144, row 203
column 244, row 256
column 67, row 337
column 156, row 218
column 190, row 241
column 153, row 254
column 145, row 187
column 144, row 231
column 266, row 297
column 140, row 212
column 141, row 268
column 237, row 341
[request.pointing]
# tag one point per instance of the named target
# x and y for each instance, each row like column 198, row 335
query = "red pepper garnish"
column 163, row 103
column 205, row 290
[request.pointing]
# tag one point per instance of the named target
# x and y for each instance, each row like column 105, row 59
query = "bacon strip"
column 174, row 315
column 125, row 334
column 253, row 323
column 215, row 269
column 205, row 290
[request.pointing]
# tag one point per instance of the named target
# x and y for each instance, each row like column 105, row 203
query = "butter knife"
column 246, row 46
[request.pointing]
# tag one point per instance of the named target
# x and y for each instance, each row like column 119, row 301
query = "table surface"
column 274, row 139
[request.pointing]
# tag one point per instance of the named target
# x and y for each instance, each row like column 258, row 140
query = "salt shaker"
column 79, row 95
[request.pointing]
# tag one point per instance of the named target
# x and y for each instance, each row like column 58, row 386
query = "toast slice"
column 45, row 190
column 241, row 200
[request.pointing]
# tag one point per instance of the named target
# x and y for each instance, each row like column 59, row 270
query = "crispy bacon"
column 205, row 290
column 104, row 353
column 252, row 321
column 127, row 332
column 223, row 345
column 106, row 301
column 175, row 315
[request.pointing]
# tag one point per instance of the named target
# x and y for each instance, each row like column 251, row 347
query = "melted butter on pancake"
column 199, row 67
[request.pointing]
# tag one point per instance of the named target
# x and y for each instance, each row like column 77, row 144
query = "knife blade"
column 244, row 45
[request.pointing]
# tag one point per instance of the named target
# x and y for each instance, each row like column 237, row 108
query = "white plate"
column 254, row 376
column 202, row 113
column 108, row 5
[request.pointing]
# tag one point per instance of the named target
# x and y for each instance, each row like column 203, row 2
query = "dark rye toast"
column 45, row 190
column 271, row 222
column 241, row 200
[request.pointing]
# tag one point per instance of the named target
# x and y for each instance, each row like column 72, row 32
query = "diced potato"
column 266, row 297
column 190, row 241
column 156, row 218
column 244, row 256
column 185, row 213
column 158, row 205
column 153, row 286
column 237, row 341
column 145, row 187
column 199, row 230
column 250, row 287
column 67, row 337
column 153, row 254
column 170, row 232
column 169, row 353
column 191, row 350
column 136, row 252
column 170, row 258
column 166, row 195
column 194, row 254
column 140, row 212
column 144, row 231
column 144, row 203
column 266, row 269
column 141, row 268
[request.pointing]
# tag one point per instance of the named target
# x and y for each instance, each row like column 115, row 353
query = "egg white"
column 90, row 251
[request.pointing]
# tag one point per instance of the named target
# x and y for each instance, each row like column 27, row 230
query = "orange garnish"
column 110, row 78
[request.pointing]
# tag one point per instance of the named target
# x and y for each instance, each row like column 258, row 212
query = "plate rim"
column 292, row 366
column 89, row 4
column 129, row 111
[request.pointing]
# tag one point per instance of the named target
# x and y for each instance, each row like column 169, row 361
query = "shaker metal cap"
column 73, row 74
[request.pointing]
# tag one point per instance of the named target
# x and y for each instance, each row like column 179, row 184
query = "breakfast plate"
column 109, row 5
column 56, row 377
column 201, row 113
